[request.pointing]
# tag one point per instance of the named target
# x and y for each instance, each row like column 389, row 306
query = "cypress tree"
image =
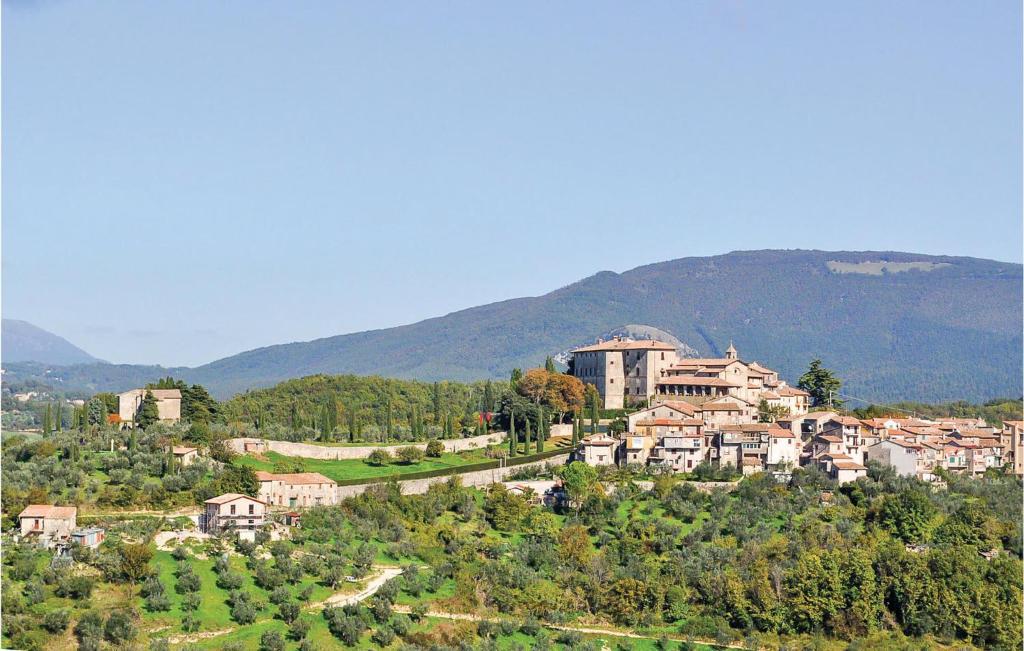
column 512, row 442
column 60, row 417
column 437, row 403
column 540, row 430
column 47, row 419
column 549, row 365
column 387, row 420
column 595, row 414
column 576, row 425
column 526, row 437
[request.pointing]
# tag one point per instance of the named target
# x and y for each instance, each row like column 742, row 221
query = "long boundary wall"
column 313, row 451
column 474, row 478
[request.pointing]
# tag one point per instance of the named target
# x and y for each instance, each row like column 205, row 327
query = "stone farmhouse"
column 168, row 404
column 297, row 490
column 49, row 525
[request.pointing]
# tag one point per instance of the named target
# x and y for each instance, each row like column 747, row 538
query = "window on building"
column 252, row 508
column 232, row 509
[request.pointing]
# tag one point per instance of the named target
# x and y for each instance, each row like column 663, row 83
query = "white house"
column 233, row 511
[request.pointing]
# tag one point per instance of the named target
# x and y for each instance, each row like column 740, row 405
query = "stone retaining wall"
column 313, row 451
column 474, row 478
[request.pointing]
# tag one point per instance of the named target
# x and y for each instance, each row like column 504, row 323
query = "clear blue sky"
column 187, row 180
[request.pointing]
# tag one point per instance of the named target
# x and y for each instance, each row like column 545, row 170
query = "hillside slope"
column 952, row 331
column 917, row 327
column 22, row 342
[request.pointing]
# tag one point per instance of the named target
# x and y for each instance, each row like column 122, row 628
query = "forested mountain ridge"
column 892, row 325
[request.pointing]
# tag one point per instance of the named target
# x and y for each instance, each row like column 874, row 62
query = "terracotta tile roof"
column 231, row 497
column 769, row 395
column 599, row 440
column 694, row 380
column 295, row 478
column 829, row 438
column 48, row 511
column 643, row 344
column 690, row 362
column 848, row 465
column 1014, row 423
column 791, row 392
column 780, row 433
column 846, row 420
column 678, row 405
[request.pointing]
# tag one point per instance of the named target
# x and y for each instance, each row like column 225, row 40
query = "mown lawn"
column 354, row 469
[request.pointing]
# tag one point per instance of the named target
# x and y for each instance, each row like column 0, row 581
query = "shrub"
column 384, row 636
column 77, row 588
column 280, row 595
column 379, row 457
column 190, row 602
column 56, row 621
column 401, row 624
column 289, row 612
column 159, row 603
column 187, row 583
column 435, row 448
column 410, row 454
column 299, row 629
column 120, row 627
column 230, row 581
column 271, row 641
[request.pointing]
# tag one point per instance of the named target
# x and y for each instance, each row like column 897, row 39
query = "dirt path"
column 466, row 617
column 372, row 586
column 196, row 637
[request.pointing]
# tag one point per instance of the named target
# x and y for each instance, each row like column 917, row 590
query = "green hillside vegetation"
column 903, row 327
column 349, row 408
column 887, row 561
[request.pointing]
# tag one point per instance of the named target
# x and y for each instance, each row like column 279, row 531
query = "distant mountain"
column 20, row 341
column 892, row 325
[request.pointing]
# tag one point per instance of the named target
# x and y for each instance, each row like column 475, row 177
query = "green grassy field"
column 355, row 469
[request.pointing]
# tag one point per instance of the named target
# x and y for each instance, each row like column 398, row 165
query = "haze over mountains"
column 893, row 325
column 23, row 342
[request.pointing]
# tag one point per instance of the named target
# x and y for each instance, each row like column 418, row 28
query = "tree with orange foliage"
column 558, row 392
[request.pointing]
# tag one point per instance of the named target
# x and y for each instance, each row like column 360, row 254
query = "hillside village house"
column 297, row 490
column 168, row 404
column 599, row 450
column 1013, row 432
column 623, row 370
column 185, row 456
column 46, row 523
column 906, row 458
column 233, row 511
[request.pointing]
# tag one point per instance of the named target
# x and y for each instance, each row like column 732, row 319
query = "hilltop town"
column 293, row 509
column 738, row 413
